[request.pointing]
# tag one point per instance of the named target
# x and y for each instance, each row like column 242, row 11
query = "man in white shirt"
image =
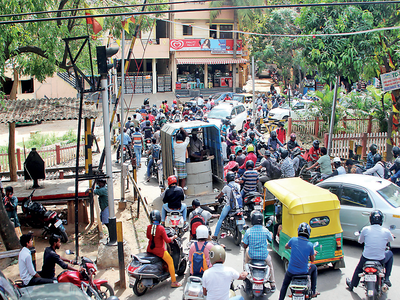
column 26, row 270
column 217, row 279
column 378, row 169
column 180, row 149
column 375, row 238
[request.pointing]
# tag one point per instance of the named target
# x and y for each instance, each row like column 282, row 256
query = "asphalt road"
column 331, row 283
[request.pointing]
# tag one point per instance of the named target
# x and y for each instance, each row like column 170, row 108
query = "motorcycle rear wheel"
column 138, row 288
column 237, row 238
column 61, row 232
column 182, row 268
column 106, row 291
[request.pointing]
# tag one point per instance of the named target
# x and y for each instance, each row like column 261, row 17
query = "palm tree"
column 245, row 17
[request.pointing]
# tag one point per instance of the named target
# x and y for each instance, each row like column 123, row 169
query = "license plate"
column 257, row 286
column 298, row 297
column 370, row 278
column 240, row 222
column 58, row 223
column 257, row 207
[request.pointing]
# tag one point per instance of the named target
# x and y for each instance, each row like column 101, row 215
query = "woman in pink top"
column 202, row 237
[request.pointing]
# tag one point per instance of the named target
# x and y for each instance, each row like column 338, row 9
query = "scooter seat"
column 258, row 263
column 253, row 194
column 373, row 264
column 150, row 257
column 300, row 277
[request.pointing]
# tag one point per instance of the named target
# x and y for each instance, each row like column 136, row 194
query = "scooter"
column 37, row 216
column 84, row 279
column 146, row 270
column 257, row 278
column 174, row 220
column 194, row 289
column 252, row 201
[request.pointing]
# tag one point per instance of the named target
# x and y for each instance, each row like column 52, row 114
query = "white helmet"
column 336, row 159
column 202, row 232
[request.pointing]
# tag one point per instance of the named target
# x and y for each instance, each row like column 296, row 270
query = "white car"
column 359, row 195
column 228, row 109
column 298, row 109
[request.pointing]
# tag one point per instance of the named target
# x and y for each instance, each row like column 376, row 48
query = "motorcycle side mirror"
column 316, row 244
column 357, row 233
column 69, row 252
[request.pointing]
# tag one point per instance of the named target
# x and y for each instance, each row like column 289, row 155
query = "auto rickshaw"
column 291, row 201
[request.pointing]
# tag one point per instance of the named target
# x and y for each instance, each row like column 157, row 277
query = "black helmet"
column 267, row 153
column 251, row 125
column 230, row 176
column 155, row 216
column 273, row 134
column 232, row 157
column 148, row 123
column 316, row 144
column 161, row 110
column 376, row 217
column 377, row 157
column 256, row 218
column 252, row 134
column 373, row 148
column 396, row 151
column 249, row 164
column 234, row 132
column 304, row 230
column 284, row 153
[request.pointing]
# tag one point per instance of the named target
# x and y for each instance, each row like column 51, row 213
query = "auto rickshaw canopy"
column 305, row 202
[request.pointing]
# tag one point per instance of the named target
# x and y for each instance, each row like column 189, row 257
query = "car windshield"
column 219, row 113
column 216, row 96
column 237, row 98
column 6, row 289
column 285, row 105
column 391, row 194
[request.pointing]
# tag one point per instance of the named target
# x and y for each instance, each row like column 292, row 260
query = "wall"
column 52, row 87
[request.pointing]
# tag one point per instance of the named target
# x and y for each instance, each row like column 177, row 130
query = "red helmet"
column 174, row 102
column 293, row 136
column 172, row 179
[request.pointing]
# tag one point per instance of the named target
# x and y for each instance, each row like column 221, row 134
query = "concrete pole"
column 107, row 148
column 332, row 115
column 254, row 88
column 205, row 76
column 122, row 110
column 154, row 73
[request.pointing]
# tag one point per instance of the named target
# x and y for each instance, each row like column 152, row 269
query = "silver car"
column 359, row 195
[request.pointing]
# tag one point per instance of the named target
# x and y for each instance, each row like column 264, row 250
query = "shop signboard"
column 390, row 81
column 216, row 46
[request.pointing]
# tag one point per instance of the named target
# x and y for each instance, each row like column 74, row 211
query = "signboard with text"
column 390, row 81
column 216, row 46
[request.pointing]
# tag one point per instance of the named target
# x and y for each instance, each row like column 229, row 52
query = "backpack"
column 238, row 197
column 198, row 263
column 156, row 151
column 275, row 171
column 196, row 221
column 386, row 173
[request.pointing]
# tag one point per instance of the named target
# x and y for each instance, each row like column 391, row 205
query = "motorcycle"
column 312, row 177
column 300, row 285
column 147, row 145
column 84, row 279
column 232, row 224
column 146, row 270
column 154, row 168
column 37, row 216
column 257, row 278
column 174, row 220
column 252, row 201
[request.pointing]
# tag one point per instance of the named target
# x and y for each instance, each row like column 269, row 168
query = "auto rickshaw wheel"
column 285, row 264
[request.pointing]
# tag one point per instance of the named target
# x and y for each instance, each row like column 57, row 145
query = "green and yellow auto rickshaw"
column 291, row 201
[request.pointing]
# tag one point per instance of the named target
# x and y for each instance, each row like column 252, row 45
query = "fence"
column 342, row 143
column 318, row 127
column 52, row 155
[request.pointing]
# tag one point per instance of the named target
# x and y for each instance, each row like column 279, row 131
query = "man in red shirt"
column 151, row 118
column 281, row 133
column 250, row 156
column 314, row 153
column 246, row 125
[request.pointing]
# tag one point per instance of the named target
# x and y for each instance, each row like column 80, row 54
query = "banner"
column 216, row 46
column 390, row 81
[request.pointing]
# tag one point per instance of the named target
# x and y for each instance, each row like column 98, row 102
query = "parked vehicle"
column 359, row 195
column 146, row 270
column 84, row 278
column 296, row 110
column 298, row 201
column 233, row 110
column 217, row 97
column 37, row 216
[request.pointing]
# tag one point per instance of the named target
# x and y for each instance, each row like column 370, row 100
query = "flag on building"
column 96, row 22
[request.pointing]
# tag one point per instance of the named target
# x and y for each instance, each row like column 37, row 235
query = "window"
column 319, row 222
column 240, row 109
column 225, row 35
column 355, row 197
column 233, row 113
column 213, row 31
column 391, row 194
column 187, row 30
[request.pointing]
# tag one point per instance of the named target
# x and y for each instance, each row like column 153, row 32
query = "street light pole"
column 332, row 115
column 254, row 88
column 122, row 111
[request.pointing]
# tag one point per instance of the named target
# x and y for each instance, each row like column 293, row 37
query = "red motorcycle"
column 84, row 279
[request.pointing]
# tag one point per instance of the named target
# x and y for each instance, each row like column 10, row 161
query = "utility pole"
column 122, row 112
column 332, row 115
column 254, row 88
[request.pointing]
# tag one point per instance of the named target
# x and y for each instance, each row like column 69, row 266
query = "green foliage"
column 39, row 140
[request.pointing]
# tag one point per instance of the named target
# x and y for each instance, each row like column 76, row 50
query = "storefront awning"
column 210, row 61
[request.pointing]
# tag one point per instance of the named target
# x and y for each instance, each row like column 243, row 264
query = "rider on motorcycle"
column 250, row 156
column 240, row 157
column 231, row 138
column 302, row 250
column 157, row 237
column 378, row 169
column 370, row 157
column 172, row 199
column 273, row 142
column 202, row 237
column 252, row 128
column 292, row 143
column 232, row 164
column 255, row 243
column 397, row 174
column 249, row 179
column 324, row 162
column 153, row 151
column 217, row 280
column 287, row 168
column 147, row 130
column 232, row 203
column 375, row 239
column 313, row 153
column 339, row 169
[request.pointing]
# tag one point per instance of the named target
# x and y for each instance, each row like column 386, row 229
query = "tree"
column 281, row 51
column 7, row 231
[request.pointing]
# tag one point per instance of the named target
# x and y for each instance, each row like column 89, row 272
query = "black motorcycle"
column 146, row 270
column 252, row 201
column 233, row 224
column 37, row 216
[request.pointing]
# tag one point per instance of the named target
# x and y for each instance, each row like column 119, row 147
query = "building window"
column 187, row 30
column 225, row 35
column 213, row 31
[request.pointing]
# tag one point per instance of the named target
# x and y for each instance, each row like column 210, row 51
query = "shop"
column 204, row 63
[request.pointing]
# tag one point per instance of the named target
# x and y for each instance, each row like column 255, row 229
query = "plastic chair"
column 210, row 85
column 201, row 85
